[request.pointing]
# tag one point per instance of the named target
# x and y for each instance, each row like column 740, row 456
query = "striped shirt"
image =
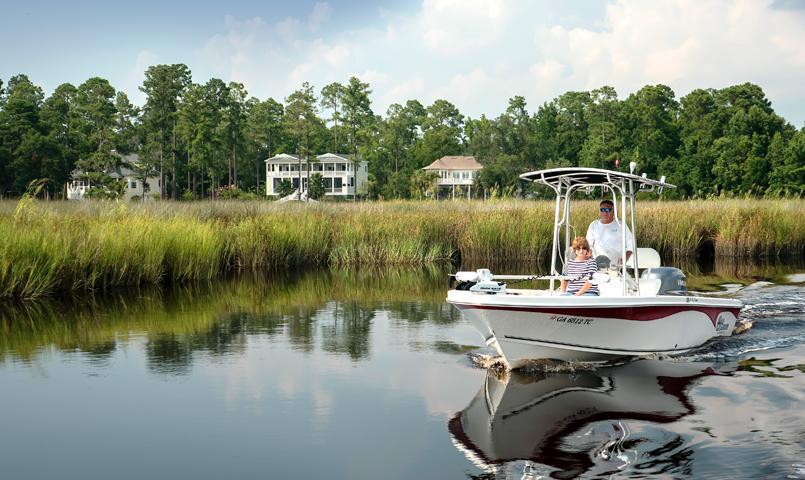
column 577, row 269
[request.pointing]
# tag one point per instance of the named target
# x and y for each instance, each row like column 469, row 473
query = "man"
column 605, row 235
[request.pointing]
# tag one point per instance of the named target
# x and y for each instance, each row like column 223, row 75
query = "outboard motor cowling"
column 672, row 280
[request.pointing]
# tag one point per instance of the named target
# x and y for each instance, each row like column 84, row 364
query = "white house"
column 455, row 171
column 342, row 176
column 76, row 187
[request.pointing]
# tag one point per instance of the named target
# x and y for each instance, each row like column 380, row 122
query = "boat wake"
column 497, row 364
column 777, row 314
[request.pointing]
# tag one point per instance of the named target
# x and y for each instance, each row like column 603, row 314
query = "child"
column 583, row 266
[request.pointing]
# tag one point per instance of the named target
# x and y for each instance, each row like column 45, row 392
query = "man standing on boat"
column 605, row 235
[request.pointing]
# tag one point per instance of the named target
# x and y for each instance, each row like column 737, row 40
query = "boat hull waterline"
column 523, row 328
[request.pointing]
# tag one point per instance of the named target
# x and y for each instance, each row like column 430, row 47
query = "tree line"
column 205, row 139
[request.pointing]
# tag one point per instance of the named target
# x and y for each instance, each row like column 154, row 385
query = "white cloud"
column 402, row 91
column 452, row 26
column 320, row 15
column 136, row 76
column 477, row 54
column 709, row 43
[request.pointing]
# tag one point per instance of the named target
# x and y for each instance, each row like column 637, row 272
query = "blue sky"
column 475, row 53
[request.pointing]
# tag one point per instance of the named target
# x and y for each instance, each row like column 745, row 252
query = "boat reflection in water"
column 568, row 424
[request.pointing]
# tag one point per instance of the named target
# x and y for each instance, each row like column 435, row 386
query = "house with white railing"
column 455, row 172
column 343, row 176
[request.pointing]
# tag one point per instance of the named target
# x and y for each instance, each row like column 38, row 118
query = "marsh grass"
column 48, row 247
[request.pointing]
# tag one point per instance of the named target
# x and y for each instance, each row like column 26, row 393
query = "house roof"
column 282, row 157
column 121, row 170
column 344, row 156
column 455, row 163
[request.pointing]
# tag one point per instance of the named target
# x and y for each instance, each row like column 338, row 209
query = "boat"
column 542, row 418
column 643, row 308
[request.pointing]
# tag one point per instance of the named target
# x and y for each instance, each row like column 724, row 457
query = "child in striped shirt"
column 583, row 266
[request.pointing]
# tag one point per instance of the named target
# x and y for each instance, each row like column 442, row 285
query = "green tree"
column 95, row 114
column 127, row 117
column 315, row 188
column 163, row 87
column 263, row 129
column 58, row 123
column 285, row 188
column 332, row 98
column 571, row 127
column 442, row 132
column 21, row 141
column 299, row 122
column 604, row 142
column 234, row 125
column 787, row 177
column 499, row 179
column 423, row 184
column 650, row 116
column 357, row 112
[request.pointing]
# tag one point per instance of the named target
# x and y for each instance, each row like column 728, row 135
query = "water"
column 367, row 375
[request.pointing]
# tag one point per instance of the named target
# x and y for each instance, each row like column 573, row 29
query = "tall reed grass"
column 48, row 247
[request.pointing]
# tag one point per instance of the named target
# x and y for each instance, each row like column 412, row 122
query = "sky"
column 475, row 53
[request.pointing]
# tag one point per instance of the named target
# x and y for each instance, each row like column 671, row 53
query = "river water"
column 371, row 375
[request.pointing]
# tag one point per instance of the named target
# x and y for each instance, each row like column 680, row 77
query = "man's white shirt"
column 605, row 239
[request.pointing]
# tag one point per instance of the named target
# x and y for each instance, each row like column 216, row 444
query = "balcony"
column 454, row 181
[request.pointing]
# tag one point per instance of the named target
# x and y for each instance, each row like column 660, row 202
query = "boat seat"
column 646, row 258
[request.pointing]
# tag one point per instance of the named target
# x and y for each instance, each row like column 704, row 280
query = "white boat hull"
column 528, row 327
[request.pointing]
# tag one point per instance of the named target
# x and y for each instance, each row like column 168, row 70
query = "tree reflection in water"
column 216, row 320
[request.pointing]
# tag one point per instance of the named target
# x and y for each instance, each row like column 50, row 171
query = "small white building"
column 342, row 176
column 455, row 171
column 77, row 187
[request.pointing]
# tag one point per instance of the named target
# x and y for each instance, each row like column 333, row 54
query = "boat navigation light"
column 632, row 167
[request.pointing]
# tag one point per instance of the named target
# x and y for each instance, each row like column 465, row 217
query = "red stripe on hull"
column 642, row 313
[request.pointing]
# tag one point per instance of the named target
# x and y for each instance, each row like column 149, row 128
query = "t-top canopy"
column 575, row 176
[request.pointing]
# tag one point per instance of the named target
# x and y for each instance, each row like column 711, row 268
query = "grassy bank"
column 62, row 246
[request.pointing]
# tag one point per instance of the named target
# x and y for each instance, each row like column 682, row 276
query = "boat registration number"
column 572, row 320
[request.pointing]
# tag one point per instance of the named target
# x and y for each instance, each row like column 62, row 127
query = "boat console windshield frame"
column 623, row 187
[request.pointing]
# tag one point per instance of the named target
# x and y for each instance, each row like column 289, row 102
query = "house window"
column 337, row 183
column 133, row 184
column 341, row 167
column 351, row 181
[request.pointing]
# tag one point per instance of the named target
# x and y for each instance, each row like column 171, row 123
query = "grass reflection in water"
column 217, row 318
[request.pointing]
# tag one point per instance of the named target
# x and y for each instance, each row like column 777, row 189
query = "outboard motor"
column 479, row 281
column 672, row 280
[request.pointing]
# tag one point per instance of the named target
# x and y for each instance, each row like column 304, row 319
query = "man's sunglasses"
column 606, row 209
